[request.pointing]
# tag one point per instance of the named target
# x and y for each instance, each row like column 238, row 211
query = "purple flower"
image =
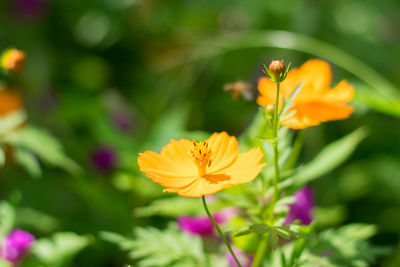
column 302, row 208
column 244, row 259
column 104, row 159
column 16, row 245
column 202, row 225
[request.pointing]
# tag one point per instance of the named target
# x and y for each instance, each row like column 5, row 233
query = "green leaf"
column 153, row 247
column 59, row 249
column 28, row 161
column 329, row 158
column 11, row 121
column 7, row 218
column 348, row 244
column 34, row 219
column 45, row 146
column 273, row 232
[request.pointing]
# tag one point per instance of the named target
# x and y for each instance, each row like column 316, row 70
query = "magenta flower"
column 244, row 258
column 104, row 159
column 302, row 208
column 16, row 245
column 202, row 225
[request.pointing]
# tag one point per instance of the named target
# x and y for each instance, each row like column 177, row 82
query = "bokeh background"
column 111, row 78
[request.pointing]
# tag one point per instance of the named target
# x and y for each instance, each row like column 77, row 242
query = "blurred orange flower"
column 9, row 101
column 316, row 102
column 194, row 169
column 13, row 60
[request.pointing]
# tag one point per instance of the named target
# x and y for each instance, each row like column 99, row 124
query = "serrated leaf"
column 153, row 247
column 59, row 249
column 348, row 244
column 329, row 158
column 123, row 242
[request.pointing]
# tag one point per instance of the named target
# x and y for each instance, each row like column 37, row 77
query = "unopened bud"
column 276, row 71
column 13, row 60
column 276, row 68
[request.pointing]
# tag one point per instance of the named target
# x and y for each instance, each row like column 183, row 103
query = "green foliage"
column 343, row 247
column 57, row 250
column 273, row 232
column 31, row 141
column 10, row 122
column 169, row 248
column 7, row 218
column 329, row 158
column 35, row 219
column 168, row 207
column 347, row 246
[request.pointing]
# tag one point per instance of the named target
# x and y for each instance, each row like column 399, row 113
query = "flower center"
column 202, row 156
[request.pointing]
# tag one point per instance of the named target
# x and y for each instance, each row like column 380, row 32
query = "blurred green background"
column 128, row 75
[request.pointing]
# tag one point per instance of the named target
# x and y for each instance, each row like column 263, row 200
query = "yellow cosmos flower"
column 316, row 102
column 194, row 169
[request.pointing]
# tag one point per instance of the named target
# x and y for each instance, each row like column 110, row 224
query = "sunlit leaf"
column 329, row 158
column 168, row 248
column 59, row 249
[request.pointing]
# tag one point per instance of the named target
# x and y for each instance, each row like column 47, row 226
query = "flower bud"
column 277, row 70
column 13, row 60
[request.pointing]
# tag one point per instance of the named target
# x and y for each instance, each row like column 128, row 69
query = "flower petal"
column 225, row 151
column 245, row 169
column 267, row 89
column 311, row 114
column 178, row 153
column 198, row 188
column 171, row 168
column 316, row 73
column 342, row 93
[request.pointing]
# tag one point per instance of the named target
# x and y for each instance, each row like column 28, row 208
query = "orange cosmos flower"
column 194, row 169
column 315, row 102
column 9, row 101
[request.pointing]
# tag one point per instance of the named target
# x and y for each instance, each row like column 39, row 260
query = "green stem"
column 220, row 232
column 276, row 156
column 262, row 245
column 261, row 249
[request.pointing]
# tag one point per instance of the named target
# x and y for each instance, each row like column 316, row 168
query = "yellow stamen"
column 202, row 156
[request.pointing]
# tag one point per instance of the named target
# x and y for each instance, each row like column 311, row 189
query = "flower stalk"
column 220, row 232
column 263, row 244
